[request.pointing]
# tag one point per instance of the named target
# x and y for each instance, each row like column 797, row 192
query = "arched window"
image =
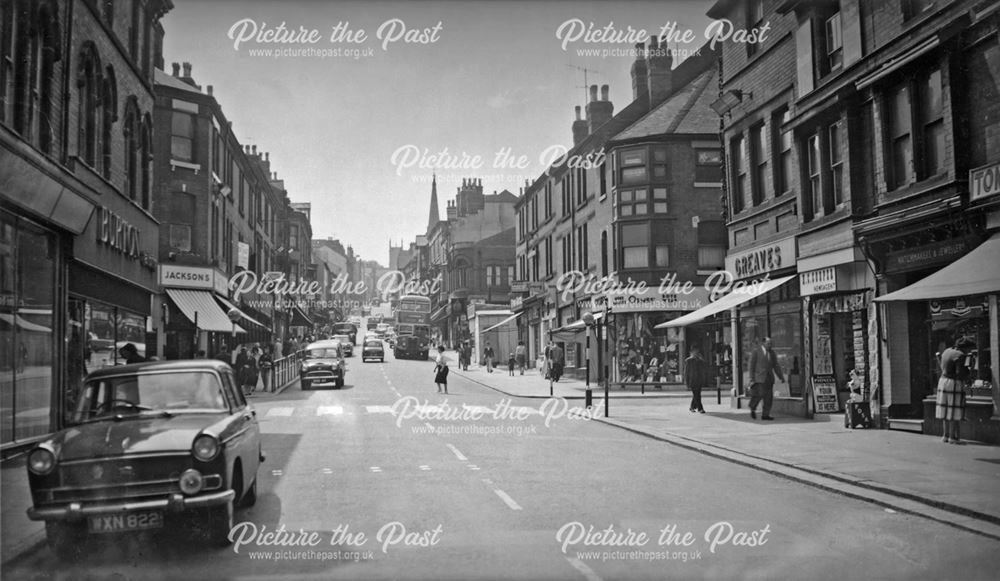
column 88, row 98
column 48, row 26
column 130, row 130
column 109, row 114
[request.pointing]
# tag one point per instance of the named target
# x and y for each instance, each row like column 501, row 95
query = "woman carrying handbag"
column 441, row 371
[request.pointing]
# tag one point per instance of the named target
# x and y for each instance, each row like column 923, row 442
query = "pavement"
column 900, row 471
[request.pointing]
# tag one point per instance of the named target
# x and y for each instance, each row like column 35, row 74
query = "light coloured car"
column 323, row 362
column 347, row 343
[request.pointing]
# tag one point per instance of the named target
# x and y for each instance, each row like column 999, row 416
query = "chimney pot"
column 177, row 68
column 254, row 149
column 209, row 89
column 593, row 93
column 578, row 113
column 640, row 51
column 604, row 92
column 653, row 42
column 267, row 156
column 187, row 69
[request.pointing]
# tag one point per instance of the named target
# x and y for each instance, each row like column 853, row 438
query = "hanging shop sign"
column 984, row 182
column 926, row 255
column 519, row 287
column 762, row 259
column 825, row 394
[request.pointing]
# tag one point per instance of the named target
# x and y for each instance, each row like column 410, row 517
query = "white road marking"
column 458, row 454
column 329, row 410
column 425, row 467
column 472, row 467
column 280, row 411
column 582, row 567
column 375, row 469
column 276, row 472
column 378, row 409
column 327, row 471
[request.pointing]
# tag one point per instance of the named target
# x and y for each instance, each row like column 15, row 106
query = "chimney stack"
column 209, row 89
column 599, row 111
column 640, row 75
column 177, row 69
column 659, row 64
column 267, row 156
column 579, row 128
column 451, row 212
column 253, row 149
column 187, row 69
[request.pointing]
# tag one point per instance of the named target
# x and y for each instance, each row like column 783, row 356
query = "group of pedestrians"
column 251, row 366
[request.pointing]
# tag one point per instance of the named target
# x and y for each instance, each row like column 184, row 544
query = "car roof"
column 324, row 344
column 160, row 366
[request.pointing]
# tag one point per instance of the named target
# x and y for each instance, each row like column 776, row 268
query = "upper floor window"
column 741, row 178
column 708, row 166
column 834, row 42
column 182, row 127
column 109, row 113
column 659, row 164
column 108, row 11
column 635, row 245
column 88, row 100
column 548, row 200
column 758, row 157
column 915, row 131
column 711, row 244
column 782, row 140
column 631, row 202
column 632, row 165
column 825, row 155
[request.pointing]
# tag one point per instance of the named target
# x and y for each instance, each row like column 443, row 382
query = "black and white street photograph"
column 461, row 290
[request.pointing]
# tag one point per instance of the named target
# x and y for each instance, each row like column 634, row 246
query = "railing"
column 284, row 371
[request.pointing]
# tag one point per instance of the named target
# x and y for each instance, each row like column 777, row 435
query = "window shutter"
column 850, row 19
column 804, row 58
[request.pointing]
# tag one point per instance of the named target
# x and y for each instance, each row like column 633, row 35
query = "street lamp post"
column 588, row 321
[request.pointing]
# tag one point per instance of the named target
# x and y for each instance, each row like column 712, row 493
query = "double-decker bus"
column 412, row 319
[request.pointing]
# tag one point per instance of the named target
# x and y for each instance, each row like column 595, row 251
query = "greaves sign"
column 762, row 259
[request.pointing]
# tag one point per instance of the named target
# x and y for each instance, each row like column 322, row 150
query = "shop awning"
column 300, row 318
column 200, row 308
column 503, row 322
column 23, row 324
column 976, row 273
column 733, row 299
column 229, row 305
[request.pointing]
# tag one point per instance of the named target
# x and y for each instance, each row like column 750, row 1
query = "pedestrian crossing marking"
column 329, row 410
column 472, row 467
column 375, row 469
column 327, row 471
column 378, row 409
column 425, row 467
column 276, row 472
column 280, row 411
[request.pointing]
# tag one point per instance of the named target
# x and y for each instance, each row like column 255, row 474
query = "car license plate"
column 129, row 521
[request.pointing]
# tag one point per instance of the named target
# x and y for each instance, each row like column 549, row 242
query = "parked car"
column 323, row 362
column 410, row 347
column 346, row 342
column 372, row 349
column 148, row 445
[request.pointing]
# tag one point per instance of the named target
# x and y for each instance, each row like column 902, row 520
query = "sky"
column 358, row 103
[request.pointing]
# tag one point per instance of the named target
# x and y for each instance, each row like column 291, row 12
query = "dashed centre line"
column 503, row 495
column 458, row 454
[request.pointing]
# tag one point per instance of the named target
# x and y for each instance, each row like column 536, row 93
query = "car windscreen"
column 328, row 353
column 342, row 337
column 374, row 344
column 174, row 392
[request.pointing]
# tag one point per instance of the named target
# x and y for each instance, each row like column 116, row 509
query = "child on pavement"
column 511, row 362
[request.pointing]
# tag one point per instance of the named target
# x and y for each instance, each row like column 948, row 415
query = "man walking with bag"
column 763, row 367
column 488, row 357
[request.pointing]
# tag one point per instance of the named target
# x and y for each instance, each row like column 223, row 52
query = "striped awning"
column 201, row 309
column 229, row 305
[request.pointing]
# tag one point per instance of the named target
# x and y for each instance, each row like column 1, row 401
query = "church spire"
column 434, row 217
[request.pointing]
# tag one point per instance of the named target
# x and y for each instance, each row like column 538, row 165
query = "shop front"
column 194, row 317
column 960, row 300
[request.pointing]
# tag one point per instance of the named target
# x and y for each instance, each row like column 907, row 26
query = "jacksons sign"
column 388, row 284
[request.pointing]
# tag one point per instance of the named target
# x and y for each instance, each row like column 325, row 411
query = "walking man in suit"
column 763, row 367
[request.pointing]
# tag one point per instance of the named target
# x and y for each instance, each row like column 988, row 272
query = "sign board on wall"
column 825, row 394
column 762, row 259
column 984, row 182
column 822, row 280
column 242, row 255
column 186, row 277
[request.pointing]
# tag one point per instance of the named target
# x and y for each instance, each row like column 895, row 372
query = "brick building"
column 845, row 185
column 78, row 241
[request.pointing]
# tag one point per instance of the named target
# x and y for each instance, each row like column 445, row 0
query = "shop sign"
column 823, row 280
column 958, row 308
column 651, row 299
column 984, row 182
column 926, row 255
column 825, row 394
column 117, row 234
column 519, row 287
column 516, row 303
column 187, row 277
column 763, row 259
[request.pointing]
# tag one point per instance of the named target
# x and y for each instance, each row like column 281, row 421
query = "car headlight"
column 41, row 461
column 205, row 447
column 191, row 481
